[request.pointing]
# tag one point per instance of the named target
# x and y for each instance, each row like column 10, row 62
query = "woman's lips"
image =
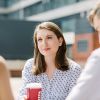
column 46, row 49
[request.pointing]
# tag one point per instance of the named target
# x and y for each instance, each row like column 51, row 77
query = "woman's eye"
column 39, row 39
column 49, row 37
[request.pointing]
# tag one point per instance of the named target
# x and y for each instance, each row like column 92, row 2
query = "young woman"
column 50, row 66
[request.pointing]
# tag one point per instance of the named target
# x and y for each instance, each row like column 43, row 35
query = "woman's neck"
column 50, row 66
column 50, row 62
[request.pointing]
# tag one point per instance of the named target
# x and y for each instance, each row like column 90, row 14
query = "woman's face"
column 96, row 22
column 47, row 42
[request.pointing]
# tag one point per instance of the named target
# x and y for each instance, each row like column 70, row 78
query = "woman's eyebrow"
column 49, row 35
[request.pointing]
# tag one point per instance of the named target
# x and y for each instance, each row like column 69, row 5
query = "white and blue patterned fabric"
column 57, row 88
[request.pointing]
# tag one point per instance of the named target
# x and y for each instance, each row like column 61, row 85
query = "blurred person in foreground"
column 5, row 88
column 88, row 84
column 50, row 65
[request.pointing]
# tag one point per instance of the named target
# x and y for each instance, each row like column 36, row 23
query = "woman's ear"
column 60, row 41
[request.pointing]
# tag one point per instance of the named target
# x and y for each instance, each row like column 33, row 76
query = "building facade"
column 70, row 15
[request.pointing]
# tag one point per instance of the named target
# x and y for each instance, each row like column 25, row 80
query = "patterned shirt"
column 56, row 88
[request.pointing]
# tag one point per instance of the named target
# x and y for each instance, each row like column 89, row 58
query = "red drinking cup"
column 34, row 91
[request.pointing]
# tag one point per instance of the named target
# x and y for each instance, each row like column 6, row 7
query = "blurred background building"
column 18, row 19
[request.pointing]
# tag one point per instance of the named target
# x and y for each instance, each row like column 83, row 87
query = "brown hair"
column 93, row 12
column 61, row 61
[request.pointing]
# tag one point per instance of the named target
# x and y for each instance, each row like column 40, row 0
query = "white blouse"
column 56, row 88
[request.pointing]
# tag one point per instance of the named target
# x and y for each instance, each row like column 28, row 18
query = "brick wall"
column 92, row 43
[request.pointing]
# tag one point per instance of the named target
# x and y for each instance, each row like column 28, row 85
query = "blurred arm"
column 5, row 89
column 87, row 87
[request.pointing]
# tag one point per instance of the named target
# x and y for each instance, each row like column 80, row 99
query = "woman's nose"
column 44, row 42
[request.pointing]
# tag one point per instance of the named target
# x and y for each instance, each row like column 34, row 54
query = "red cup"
column 34, row 91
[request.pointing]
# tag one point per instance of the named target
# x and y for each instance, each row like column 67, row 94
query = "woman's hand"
column 24, row 97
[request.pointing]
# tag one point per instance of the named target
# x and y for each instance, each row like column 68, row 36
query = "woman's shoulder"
column 30, row 60
column 73, row 64
column 75, row 68
column 29, row 63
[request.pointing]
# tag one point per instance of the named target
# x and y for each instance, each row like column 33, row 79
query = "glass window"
column 68, row 25
column 11, row 2
column 14, row 15
column 2, row 3
column 82, row 46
